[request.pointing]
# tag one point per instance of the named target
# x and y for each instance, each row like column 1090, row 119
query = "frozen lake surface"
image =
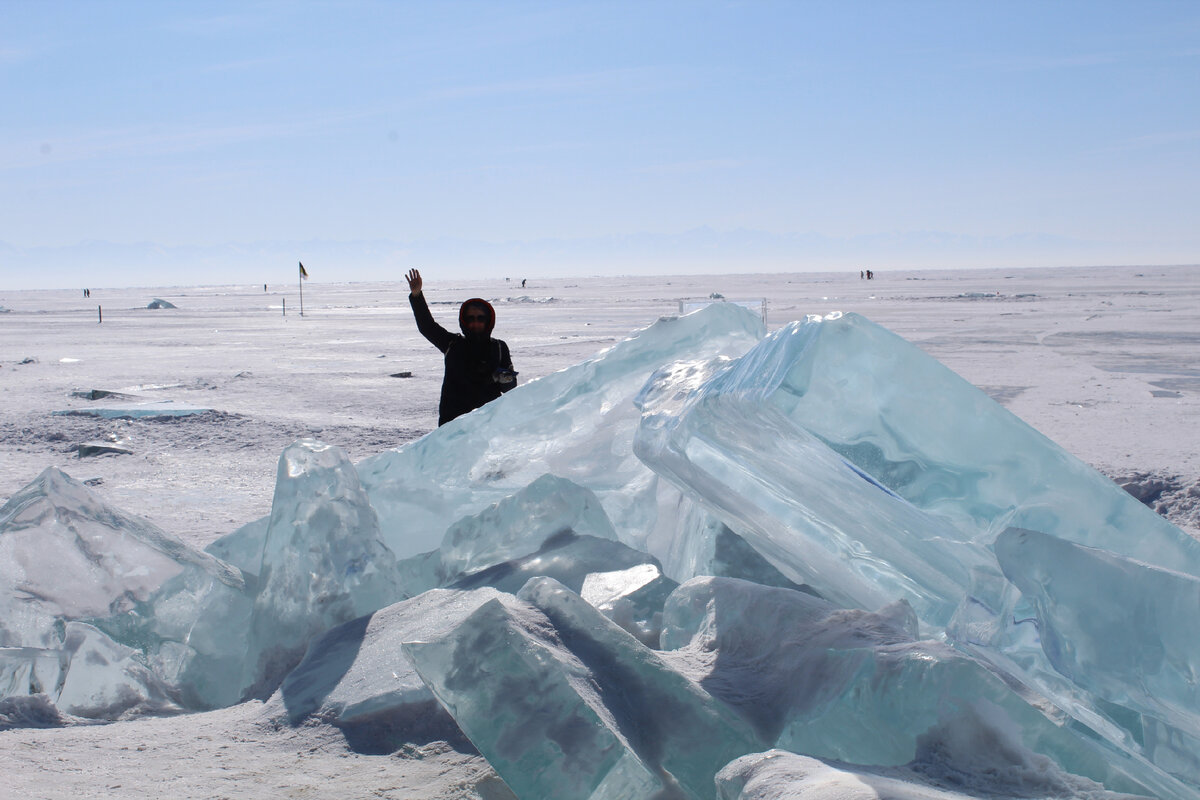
column 1102, row 361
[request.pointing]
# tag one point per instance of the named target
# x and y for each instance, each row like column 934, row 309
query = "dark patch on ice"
column 1178, row 385
column 1003, row 394
column 978, row 296
column 98, row 394
column 327, row 661
column 95, row 659
column 91, row 449
column 639, row 711
column 734, row 557
column 413, row 725
column 32, row 711
column 401, row 375
column 159, row 303
column 1148, row 488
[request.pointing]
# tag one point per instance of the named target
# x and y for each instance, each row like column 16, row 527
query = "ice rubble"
column 909, row 578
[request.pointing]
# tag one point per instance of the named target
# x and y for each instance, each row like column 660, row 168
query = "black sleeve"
column 506, row 361
column 436, row 334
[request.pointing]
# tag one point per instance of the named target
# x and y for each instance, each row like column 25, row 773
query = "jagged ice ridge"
column 703, row 557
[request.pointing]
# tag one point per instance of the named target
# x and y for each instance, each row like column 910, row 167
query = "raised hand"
column 414, row 281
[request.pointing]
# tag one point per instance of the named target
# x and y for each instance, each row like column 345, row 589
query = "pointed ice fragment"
column 526, row 703
column 323, row 561
column 65, row 554
column 672, row 723
column 243, row 548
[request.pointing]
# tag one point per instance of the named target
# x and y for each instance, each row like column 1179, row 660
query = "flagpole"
column 300, row 278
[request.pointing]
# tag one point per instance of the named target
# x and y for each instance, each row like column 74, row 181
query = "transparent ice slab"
column 576, row 423
column 519, row 524
column 86, row 675
column 565, row 704
column 323, row 562
column 1135, row 644
column 859, row 687
column 815, row 516
column 927, row 434
column 65, row 554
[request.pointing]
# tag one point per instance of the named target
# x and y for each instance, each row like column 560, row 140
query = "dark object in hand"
column 504, row 375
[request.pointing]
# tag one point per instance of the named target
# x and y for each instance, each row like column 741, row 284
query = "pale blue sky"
column 161, row 143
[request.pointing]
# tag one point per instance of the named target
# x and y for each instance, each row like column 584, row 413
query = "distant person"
column 861, row 275
column 522, row 283
column 478, row 368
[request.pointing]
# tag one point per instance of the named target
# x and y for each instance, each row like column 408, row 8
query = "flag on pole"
column 303, row 271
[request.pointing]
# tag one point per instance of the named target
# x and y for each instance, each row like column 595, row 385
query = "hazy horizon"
column 287, row 280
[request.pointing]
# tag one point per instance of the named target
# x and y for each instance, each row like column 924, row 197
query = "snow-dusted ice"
column 706, row 563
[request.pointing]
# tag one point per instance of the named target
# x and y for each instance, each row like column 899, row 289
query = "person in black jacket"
column 478, row 367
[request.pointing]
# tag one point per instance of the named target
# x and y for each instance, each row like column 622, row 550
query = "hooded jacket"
column 471, row 359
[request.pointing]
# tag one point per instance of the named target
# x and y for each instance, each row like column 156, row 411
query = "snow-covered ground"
column 1102, row 361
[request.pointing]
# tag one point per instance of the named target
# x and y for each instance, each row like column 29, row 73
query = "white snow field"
column 769, row 549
